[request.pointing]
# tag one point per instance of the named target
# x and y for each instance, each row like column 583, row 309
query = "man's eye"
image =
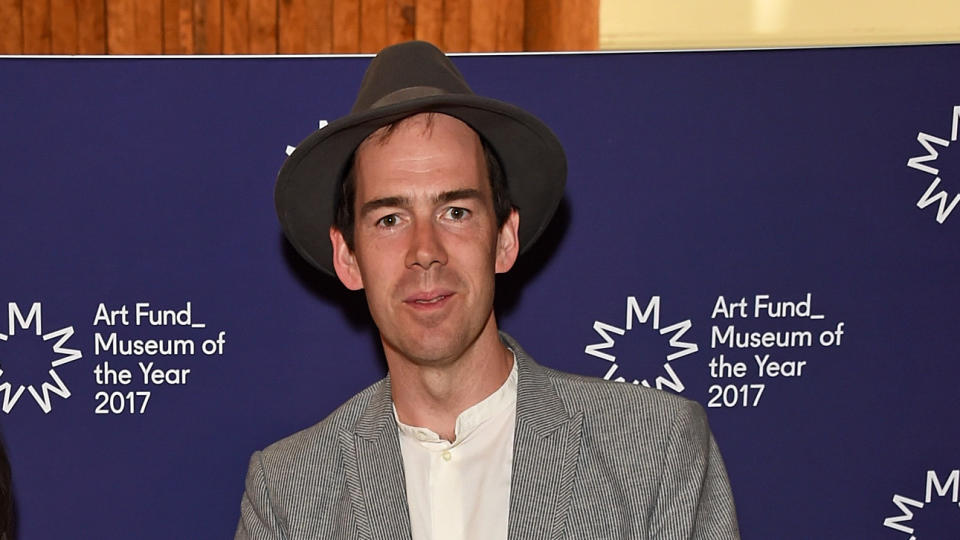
column 387, row 221
column 456, row 213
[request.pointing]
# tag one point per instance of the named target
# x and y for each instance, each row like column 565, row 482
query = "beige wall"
column 657, row 24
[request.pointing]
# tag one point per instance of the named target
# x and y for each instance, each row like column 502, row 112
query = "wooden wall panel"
column 121, row 27
column 373, row 25
column 401, row 20
column 319, row 26
column 510, row 24
column 148, row 23
column 483, row 26
column 579, row 23
column 346, row 26
column 178, row 27
column 456, row 25
column 304, row 26
column 11, row 27
column 36, row 27
column 236, row 27
column 263, row 26
column 561, row 26
column 91, row 27
column 63, row 26
column 292, row 26
column 429, row 22
column 207, row 27
column 496, row 25
column 135, row 26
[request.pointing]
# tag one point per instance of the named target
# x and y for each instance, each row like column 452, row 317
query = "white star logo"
column 11, row 395
column 920, row 163
column 652, row 314
column 949, row 489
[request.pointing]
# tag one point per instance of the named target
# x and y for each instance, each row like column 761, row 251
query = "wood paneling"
column 236, row 27
column 579, row 23
column 63, row 26
column 401, row 20
column 496, row 25
column 11, row 27
column 292, row 26
column 346, row 26
column 148, row 22
column 429, row 22
column 178, row 27
column 483, row 26
column 373, row 25
column 91, row 27
column 561, row 26
column 510, row 25
column 121, row 27
column 207, row 27
column 305, row 26
column 36, row 27
column 456, row 25
column 135, row 26
column 319, row 26
column 263, row 26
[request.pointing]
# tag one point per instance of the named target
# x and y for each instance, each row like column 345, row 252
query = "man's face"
column 426, row 241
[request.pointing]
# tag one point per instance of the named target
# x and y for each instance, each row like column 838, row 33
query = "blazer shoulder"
column 298, row 485
column 628, row 403
column 322, row 436
column 604, row 389
column 604, row 404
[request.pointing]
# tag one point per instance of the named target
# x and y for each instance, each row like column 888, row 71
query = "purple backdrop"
column 751, row 216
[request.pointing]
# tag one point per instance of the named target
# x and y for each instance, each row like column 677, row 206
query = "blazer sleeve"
column 257, row 519
column 694, row 498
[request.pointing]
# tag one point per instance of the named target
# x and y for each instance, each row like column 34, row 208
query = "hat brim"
column 532, row 158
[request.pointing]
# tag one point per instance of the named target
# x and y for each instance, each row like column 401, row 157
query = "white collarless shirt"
column 461, row 490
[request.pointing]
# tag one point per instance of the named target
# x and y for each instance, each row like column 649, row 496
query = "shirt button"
column 421, row 436
column 446, row 455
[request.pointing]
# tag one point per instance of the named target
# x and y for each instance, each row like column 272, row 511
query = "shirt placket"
column 446, row 495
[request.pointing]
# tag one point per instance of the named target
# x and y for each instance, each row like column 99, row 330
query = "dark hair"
column 343, row 215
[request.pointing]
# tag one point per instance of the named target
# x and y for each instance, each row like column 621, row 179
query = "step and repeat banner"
column 773, row 234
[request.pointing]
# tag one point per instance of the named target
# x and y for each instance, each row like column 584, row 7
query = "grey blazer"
column 592, row 459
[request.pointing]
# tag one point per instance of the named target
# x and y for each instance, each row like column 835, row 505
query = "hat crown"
column 408, row 70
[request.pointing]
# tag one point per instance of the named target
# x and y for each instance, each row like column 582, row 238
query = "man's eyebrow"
column 370, row 206
column 457, row 194
column 404, row 202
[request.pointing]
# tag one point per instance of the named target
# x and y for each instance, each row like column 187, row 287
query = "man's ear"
column 508, row 243
column 345, row 262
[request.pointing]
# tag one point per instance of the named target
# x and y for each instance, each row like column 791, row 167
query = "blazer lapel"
column 374, row 472
column 546, row 451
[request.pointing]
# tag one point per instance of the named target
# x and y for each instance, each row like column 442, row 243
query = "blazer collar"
column 546, row 451
column 377, row 417
column 373, row 469
column 538, row 404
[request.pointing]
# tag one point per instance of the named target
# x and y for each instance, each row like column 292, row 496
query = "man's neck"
column 433, row 396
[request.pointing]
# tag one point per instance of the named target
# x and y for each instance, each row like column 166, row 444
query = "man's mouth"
column 428, row 299
column 433, row 300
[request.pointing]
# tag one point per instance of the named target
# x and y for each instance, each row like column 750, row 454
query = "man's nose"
column 426, row 246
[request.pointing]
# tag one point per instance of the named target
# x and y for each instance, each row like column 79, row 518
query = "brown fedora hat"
column 401, row 81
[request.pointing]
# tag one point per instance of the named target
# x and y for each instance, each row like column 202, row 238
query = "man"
column 419, row 197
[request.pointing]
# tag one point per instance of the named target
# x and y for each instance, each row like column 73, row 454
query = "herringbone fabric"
column 592, row 460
